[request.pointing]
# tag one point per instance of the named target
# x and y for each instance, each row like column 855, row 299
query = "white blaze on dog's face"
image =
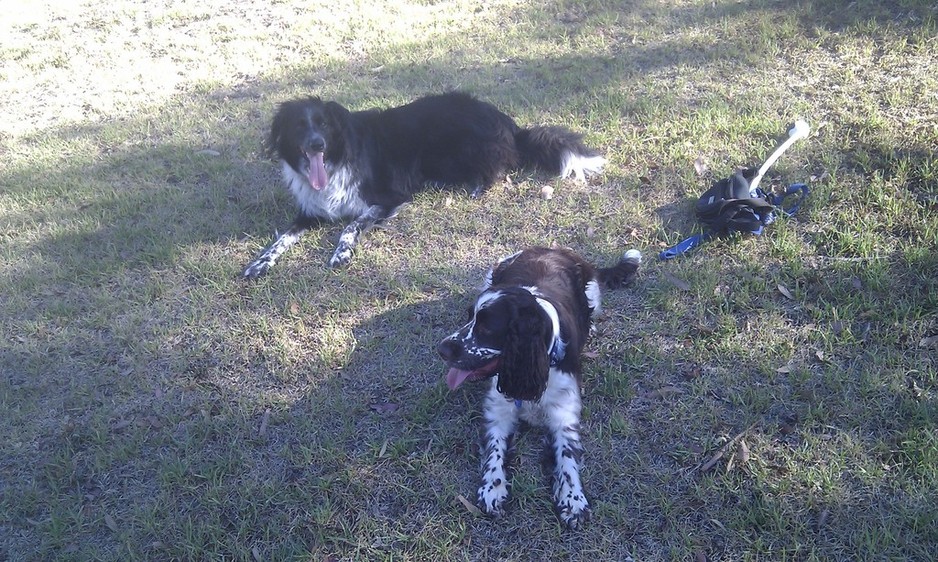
column 472, row 352
column 299, row 134
column 510, row 335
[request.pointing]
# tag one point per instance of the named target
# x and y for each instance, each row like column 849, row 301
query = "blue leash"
column 792, row 189
column 684, row 246
column 688, row 244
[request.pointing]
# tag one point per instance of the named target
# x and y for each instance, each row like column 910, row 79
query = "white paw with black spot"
column 341, row 257
column 574, row 511
column 492, row 497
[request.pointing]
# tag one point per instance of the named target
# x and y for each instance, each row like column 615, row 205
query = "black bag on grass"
column 728, row 206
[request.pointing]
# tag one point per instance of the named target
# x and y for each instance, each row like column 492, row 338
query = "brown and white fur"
column 527, row 331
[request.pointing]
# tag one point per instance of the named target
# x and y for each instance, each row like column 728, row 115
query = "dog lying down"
column 526, row 334
column 363, row 165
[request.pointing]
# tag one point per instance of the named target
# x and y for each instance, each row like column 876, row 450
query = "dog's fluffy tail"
column 558, row 151
column 623, row 273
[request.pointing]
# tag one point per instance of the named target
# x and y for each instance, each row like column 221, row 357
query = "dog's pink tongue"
column 317, row 170
column 456, row 377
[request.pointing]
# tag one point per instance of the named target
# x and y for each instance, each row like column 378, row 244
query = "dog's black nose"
column 317, row 144
column 448, row 349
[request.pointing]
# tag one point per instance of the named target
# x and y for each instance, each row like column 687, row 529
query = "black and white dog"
column 364, row 165
column 526, row 333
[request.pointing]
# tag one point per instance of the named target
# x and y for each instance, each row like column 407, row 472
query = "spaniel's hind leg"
column 501, row 420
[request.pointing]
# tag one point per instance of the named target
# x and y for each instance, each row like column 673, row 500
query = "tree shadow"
column 385, row 415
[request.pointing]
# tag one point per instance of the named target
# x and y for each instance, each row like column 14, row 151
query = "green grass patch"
column 767, row 398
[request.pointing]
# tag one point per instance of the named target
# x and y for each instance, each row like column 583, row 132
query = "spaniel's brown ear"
column 525, row 365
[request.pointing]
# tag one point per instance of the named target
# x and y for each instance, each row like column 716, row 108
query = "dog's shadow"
column 387, row 412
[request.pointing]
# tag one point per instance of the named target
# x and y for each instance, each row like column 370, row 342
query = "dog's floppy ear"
column 276, row 130
column 525, row 365
column 288, row 113
column 336, row 114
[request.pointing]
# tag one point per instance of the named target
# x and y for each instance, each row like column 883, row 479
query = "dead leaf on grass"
column 547, row 192
column 786, row 427
column 384, row 449
column 121, row 424
column 783, row 370
column 700, row 165
column 256, row 553
column 110, row 522
column 930, row 341
column 265, row 419
column 470, row 507
column 742, row 453
column 739, row 457
column 663, row 392
column 591, row 354
column 784, row 290
column 679, row 283
column 384, row 407
column 822, row 519
column 731, row 464
column 726, row 446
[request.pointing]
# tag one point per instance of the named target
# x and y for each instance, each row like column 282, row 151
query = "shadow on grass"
column 368, row 460
column 166, row 195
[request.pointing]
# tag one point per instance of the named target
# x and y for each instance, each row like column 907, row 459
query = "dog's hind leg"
column 284, row 242
column 501, row 420
column 350, row 235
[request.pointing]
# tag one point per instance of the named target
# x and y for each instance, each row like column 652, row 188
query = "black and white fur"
column 364, row 165
column 527, row 331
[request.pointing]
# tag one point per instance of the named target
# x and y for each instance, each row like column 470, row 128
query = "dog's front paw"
column 492, row 497
column 574, row 512
column 341, row 257
column 257, row 268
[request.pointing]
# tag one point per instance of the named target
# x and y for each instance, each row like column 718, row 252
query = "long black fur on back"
column 369, row 163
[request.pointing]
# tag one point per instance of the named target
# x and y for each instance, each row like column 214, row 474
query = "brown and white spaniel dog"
column 527, row 332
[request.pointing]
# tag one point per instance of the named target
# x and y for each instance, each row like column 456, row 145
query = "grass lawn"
column 767, row 398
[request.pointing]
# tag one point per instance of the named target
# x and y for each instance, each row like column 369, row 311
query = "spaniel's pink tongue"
column 317, row 170
column 456, row 377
